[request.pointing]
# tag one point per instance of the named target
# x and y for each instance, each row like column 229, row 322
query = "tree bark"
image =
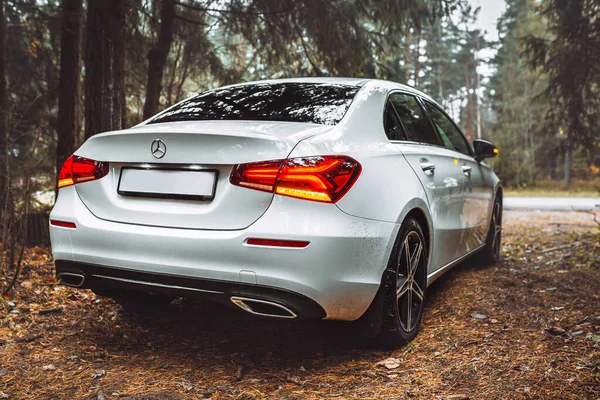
column 69, row 82
column 4, row 156
column 3, row 105
column 104, row 66
column 157, row 58
column 567, row 168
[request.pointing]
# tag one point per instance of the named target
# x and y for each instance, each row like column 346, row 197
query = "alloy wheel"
column 410, row 282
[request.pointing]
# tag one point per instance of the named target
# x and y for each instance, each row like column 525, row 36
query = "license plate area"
column 172, row 183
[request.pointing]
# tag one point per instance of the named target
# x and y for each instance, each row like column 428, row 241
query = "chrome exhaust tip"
column 263, row 308
column 71, row 279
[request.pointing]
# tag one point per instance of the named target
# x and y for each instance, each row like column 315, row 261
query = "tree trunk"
column 469, row 122
column 104, row 66
column 4, row 157
column 157, row 58
column 3, row 105
column 69, row 81
column 567, row 169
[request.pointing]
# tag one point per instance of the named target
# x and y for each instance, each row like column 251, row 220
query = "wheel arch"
column 421, row 217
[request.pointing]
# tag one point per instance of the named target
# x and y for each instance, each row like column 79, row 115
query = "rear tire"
column 491, row 252
column 135, row 301
column 404, row 286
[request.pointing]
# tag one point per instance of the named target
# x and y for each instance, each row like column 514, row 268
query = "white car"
column 325, row 198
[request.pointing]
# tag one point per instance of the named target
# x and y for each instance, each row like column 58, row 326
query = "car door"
column 478, row 188
column 436, row 167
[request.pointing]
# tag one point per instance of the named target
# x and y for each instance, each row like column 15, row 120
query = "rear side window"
column 451, row 136
column 393, row 127
column 293, row 102
column 416, row 125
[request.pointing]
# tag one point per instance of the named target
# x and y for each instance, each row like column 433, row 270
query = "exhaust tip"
column 263, row 308
column 71, row 279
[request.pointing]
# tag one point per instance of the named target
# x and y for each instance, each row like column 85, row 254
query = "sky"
column 487, row 19
column 490, row 11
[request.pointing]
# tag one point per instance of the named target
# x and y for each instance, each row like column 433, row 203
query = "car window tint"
column 294, row 102
column 393, row 127
column 415, row 123
column 451, row 136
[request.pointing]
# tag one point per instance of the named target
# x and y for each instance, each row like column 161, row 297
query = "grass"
column 577, row 188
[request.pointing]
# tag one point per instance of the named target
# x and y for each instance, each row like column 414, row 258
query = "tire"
column 135, row 301
column 490, row 254
column 404, row 286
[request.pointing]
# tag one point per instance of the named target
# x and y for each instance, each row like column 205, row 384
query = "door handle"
column 428, row 167
column 466, row 170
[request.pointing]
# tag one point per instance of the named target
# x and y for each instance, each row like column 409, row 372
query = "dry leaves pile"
column 528, row 328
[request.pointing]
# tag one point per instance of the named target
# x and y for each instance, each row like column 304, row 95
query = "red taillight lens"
column 320, row 178
column 260, row 175
column 64, row 224
column 298, row 244
column 78, row 169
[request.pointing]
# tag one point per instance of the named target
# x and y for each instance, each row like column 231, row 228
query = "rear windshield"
column 295, row 102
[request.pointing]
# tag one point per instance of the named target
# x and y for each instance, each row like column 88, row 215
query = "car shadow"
column 208, row 336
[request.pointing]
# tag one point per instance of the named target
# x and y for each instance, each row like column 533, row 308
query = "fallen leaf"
column 479, row 316
column 187, row 386
column 390, row 363
column 3, row 371
column 99, row 373
column 591, row 336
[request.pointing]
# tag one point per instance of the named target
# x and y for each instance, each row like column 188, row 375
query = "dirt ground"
column 528, row 328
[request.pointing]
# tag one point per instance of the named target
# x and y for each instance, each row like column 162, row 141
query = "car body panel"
column 343, row 281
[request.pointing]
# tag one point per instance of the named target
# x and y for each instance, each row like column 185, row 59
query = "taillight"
column 320, row 178
column 78, row 169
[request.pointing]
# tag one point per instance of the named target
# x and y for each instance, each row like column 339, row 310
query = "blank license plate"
column 168, row 183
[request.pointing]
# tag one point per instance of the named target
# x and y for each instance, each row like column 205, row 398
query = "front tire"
column 405, row 285
column 491, row 252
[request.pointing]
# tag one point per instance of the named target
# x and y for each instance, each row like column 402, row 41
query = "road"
column 552, row 203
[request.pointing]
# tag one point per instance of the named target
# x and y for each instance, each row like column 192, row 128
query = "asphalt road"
column 552, row 203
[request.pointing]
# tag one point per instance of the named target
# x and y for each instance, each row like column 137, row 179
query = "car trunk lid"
column 185, row 184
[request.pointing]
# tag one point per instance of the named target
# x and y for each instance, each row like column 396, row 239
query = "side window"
column 393, row 127
column 451, row 136
column 415, row 123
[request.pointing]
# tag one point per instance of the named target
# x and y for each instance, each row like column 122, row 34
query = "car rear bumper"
column 335, row 277
column 100, row 277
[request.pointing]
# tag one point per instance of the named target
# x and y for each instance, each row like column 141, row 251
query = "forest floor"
column 528, row 328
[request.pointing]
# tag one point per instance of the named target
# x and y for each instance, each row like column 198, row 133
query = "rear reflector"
column 63, row 224
column 320, row 178
column 298, row 244
column 79, row 169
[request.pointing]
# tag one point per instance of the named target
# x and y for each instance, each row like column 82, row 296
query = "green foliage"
column 515, row 101
column 569, row 56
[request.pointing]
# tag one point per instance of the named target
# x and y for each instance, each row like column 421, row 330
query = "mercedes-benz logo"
column 158, row 148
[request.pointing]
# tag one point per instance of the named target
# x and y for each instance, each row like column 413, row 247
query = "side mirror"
column 484, row 149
